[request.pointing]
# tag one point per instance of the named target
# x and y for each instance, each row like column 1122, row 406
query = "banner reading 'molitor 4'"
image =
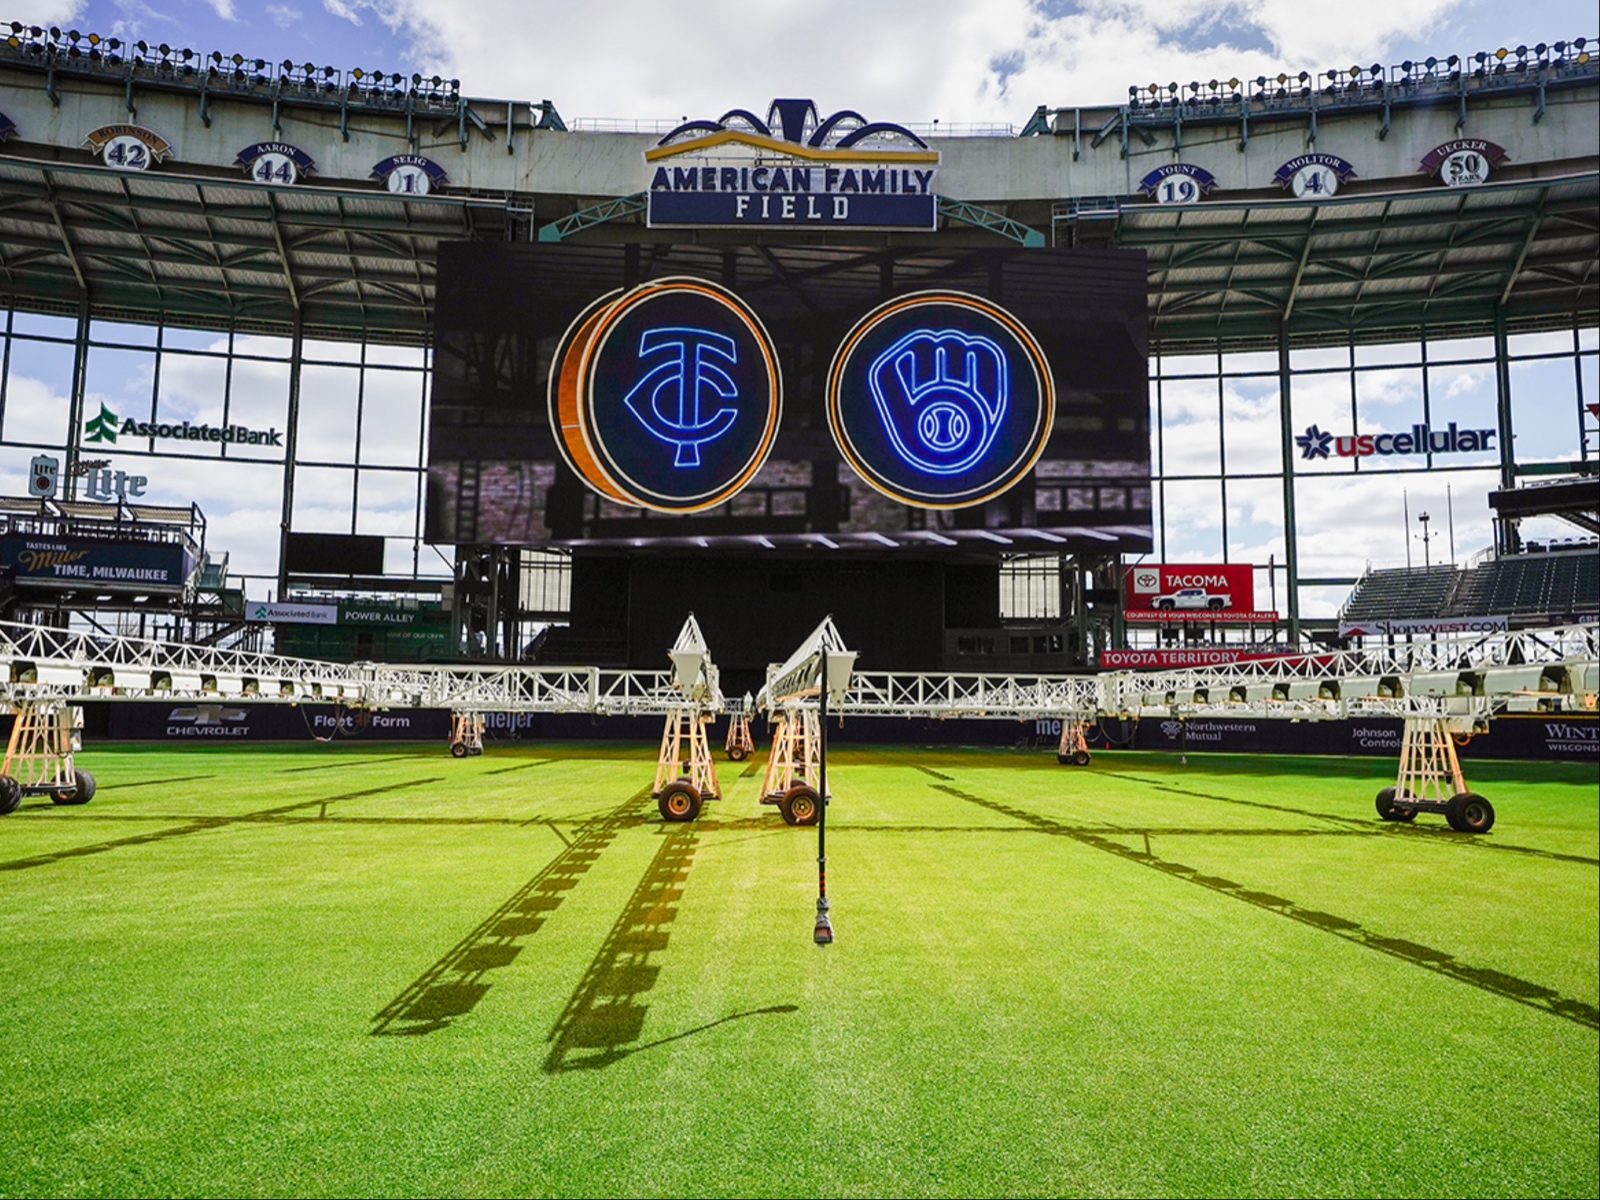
column 804, row 395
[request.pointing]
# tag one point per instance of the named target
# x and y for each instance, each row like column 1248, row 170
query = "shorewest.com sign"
column 795, row 169
column 107, row 427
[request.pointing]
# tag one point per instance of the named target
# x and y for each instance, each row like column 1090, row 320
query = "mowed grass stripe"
column 1499, row 983
column 1016, row 1005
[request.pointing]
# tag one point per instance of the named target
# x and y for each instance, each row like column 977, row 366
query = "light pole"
column 822, row 935
column 1427, row 561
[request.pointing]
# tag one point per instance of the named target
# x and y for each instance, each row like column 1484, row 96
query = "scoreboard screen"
column 691, row 395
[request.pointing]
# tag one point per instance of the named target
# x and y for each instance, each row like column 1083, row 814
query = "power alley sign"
column 793, row 169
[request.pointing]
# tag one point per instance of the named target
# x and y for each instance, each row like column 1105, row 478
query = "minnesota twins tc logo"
column 940, row 399
column 941, row 394
column 666, row 396
column 670, row 398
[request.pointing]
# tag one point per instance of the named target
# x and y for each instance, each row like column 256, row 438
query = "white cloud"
column 283, row 16
column 135, row 17
column 345, row 12
column 223, row 9
column 53, row 12
column 957, row 60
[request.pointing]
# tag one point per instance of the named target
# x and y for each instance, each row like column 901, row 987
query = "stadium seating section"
column 1549, row 584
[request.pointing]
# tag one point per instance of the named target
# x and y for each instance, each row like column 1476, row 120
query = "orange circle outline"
column 1024, row 336
column 594, row 340
column 562, row 399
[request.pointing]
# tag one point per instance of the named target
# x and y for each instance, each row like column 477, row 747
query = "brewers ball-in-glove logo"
column 666, row 396
column 941, row 395
column 940, row 399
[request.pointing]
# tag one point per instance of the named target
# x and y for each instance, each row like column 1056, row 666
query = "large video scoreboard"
column 788, row 396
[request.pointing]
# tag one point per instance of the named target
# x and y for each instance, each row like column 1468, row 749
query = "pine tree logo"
column 102, row 428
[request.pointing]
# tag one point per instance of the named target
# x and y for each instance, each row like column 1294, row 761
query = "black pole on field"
column 822, row 935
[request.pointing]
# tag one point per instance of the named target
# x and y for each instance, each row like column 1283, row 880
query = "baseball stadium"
column 794, row 651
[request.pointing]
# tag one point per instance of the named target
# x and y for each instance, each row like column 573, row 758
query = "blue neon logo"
column 666, row 395
column 941, row 395
column 940, row 399
column 668, row 398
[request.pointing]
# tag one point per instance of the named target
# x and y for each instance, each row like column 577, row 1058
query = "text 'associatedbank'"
column 233, row 434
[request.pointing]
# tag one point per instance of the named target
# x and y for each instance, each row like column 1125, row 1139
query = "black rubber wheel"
column 801, row 805
column 1080, row 758
column 680, row 801
column 458, row 749
column 10, row 795
column 474, row 750
column 1386, row 808
column 81, row 794
column 1390, row 811
column 1164, row 605
column 1468, row 812
column 737, row 753
column 1064, row 759
column 1214, row 604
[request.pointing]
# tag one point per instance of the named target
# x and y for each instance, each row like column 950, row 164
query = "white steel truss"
column 1466, row 677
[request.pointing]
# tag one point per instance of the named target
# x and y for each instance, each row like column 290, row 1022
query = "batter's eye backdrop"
column 661, row 393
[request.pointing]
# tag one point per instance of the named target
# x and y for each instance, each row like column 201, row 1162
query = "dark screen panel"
column 333, row 554
column 497, row 474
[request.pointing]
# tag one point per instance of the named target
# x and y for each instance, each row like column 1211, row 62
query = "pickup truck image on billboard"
column 1194, row 597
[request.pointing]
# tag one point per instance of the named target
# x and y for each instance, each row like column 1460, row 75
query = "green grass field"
column 352, row 969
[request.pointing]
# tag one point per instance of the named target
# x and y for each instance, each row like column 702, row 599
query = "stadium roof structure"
column 196, row 242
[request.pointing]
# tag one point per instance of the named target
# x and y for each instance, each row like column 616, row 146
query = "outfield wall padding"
column 1525, row 736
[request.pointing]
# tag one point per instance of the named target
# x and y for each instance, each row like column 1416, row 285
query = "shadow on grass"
column 1390, row 829
column 202, row 824
column 1496, row 982
column 604, row 1014
column 107, row 787
column 528, row 766
column 355, row 762
column 453, row 986
column 604, row 1017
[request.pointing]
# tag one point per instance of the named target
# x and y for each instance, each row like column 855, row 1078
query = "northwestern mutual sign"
column 794, row 169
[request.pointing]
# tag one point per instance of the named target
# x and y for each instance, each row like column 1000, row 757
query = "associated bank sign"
column 107, row 427
column 793, row 169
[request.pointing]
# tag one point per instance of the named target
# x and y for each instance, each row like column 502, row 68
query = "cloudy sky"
column 901, row 60
column 956, row 60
